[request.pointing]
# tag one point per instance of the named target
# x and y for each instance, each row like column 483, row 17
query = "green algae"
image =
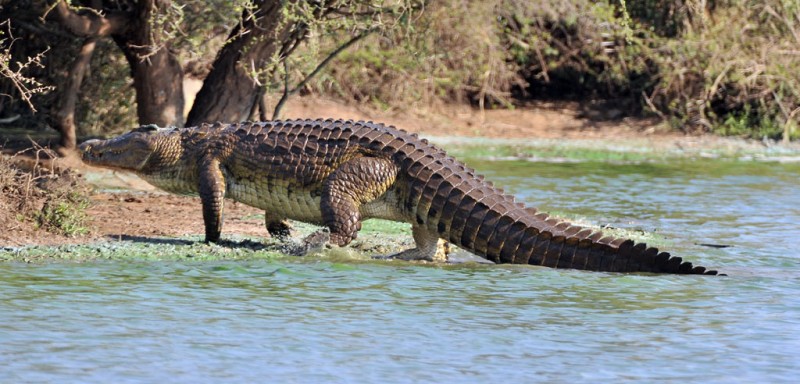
column 613, row 150
column 376, row 237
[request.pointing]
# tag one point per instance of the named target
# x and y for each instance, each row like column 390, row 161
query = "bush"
column 736, row 71
column 727, row 66
column 579, row 50
column 64, row 211
column 107, row 101
column 453, row 53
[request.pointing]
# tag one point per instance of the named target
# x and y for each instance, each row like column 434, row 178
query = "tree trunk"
column 64, row 113
column 159, row 91
column 229, row 91
column 158, row 81
column 157, row 74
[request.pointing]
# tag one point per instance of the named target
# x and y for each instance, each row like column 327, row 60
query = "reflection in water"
column 302, row 320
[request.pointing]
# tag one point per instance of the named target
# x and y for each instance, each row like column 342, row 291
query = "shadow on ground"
column 235, row 244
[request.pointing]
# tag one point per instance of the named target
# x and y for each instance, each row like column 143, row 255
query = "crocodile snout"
column 85, row 148
column 87, row 145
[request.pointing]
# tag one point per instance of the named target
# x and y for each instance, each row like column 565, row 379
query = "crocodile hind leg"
column 354, row 183
column 279, row 229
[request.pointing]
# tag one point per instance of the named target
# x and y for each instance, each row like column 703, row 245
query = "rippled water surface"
column 312, row 320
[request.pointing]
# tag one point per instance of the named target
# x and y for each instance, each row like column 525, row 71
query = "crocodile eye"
column 146, row 128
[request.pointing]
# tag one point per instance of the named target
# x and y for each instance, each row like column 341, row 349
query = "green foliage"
column 64, row 199
column 194, row 29
column 582, row 49
column 327, row 39
column 64, row 214
column 748, row 123
column 203, row 30
column 484, row 53
column 735, row 71
column 667, row 18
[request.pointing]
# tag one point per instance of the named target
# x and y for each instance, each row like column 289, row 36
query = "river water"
column 313, row 320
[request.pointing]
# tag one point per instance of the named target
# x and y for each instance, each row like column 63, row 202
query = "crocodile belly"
column 278, row 199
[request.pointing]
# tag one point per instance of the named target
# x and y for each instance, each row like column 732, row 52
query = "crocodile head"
column 141, row 150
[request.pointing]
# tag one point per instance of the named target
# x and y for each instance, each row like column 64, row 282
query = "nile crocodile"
column 337, row 173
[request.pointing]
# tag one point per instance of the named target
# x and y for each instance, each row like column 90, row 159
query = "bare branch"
column 285, row 89
column 322, row 64
column 26, row 86
column 92, row 24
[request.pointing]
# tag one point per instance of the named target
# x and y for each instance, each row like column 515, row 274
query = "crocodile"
column 336, row 173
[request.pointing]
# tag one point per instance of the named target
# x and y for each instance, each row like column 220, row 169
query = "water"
column 312, row 320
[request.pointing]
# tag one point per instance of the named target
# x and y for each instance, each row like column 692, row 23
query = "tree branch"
column 90, row 24
column 43, row 29
column 322, row 64
column 286, row 93
column 26, row 86
column 64, row 111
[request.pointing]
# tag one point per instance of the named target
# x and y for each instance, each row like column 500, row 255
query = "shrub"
column 727, row 66
column 51, row 200
column 452, row 53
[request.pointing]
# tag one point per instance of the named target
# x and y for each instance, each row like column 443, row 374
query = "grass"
column 377, row 237
column 64, row 213
column 545, row 152
column 132, row 249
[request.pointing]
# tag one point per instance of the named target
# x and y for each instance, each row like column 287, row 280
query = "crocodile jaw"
column 117, row 153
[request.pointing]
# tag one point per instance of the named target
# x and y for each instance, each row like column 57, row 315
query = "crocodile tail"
column 559, row 244
column 599, row 254
column 458, row 205
column 523, row 236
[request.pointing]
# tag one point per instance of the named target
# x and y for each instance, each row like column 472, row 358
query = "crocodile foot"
column 315, row 242
column 439, row 255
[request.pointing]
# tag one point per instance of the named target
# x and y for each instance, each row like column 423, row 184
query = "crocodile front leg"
column 354, row 183
column 212, row 195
